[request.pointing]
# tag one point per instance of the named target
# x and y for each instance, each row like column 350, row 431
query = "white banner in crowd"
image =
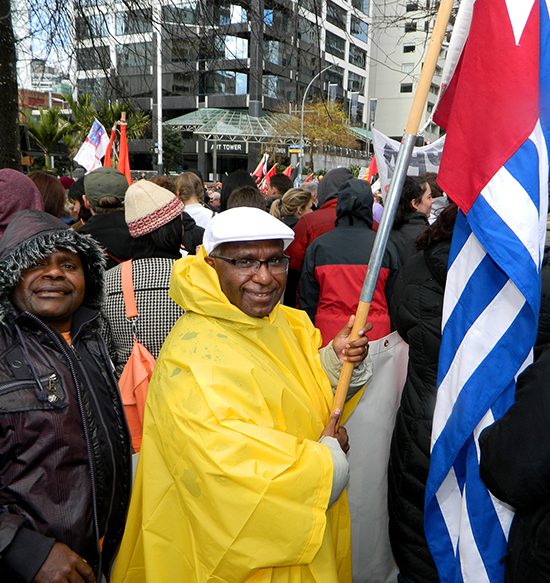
column 424, row 159
column 370, row 428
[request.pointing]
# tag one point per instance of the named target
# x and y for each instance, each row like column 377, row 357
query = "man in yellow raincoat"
column 233, row 484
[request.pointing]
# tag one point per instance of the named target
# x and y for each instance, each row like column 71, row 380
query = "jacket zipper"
column 50, row 379
column 86, row 433
column 113, row 460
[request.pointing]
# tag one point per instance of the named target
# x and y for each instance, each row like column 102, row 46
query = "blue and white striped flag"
column 496, row 110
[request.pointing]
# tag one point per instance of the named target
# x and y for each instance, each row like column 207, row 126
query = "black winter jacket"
column 416, row 314
column 404, row 238
column 515, row 466
column 64, row 443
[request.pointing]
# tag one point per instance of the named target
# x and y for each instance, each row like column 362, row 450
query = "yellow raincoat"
column 232, row 484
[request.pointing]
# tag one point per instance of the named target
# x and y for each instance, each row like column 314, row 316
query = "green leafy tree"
column 86, row 108
column 48, row 130
column 173, row 143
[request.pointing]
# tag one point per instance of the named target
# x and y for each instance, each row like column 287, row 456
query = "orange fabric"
column 128, row 289
column 67, row 336
column 123, row 155
column 134, row 380
column 107, row 158
column 133, row 383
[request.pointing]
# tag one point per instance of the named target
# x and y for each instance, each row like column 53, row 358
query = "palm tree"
column 48, row 130
column 85, row 109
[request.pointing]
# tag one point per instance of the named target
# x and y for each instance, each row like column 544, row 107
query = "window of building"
column 96, row 86
column 406, row 88
column 430, row 107
column 362, row 5
column 181, row 13
column 93, row 58
column 183, row 50
column 410, row 26
column 335, row 76
column 235, row 47
column 87, row 3
column 273, row 86
column 93, row 26
column 308, row 31
column 412, row 6
column 335, row 45
column 427, row 26
column 357, row 56
column 226, row 82
column 184, row 84
column 336, row 15
column 311, row 5
column 409, row 48
column 407, row 68
column 134, row 22
column 434, row 88
column 356, row 82
column 229, row 13
column 138, row 85
column 359, row 29
column 134, row 55
column 268, row 16
column 272, row 49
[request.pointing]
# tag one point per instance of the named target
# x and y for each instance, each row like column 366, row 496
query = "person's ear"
column 210, row 261
column 86, row 202
column 414, row 204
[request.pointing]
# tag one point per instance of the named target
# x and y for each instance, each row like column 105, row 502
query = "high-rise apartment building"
column 401, row 32
column 250, row 55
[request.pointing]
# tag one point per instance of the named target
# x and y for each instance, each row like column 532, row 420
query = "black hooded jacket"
column 335, row 265
column 416, row 309
column 64, row 444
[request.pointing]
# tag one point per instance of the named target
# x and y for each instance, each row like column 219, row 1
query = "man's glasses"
column 275, row 265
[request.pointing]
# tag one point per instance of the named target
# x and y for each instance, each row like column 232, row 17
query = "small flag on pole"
column 260, row 168
column 94, row 148
column 123, row 154
column 288, row 171
column 108, row 154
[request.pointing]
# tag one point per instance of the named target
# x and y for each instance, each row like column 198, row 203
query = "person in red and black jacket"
column 336, row 262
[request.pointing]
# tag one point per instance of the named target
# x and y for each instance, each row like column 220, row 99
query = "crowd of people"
column 246, row 300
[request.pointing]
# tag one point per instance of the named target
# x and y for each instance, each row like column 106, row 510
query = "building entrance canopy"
column 235, row 124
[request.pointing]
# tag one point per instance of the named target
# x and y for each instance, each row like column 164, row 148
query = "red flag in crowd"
column 123, row 155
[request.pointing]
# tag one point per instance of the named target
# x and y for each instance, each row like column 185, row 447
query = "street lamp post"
column 302, row 127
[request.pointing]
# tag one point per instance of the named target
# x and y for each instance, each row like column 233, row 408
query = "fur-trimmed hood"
column 32, row 235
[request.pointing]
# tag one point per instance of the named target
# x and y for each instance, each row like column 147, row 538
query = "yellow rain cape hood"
column 232, row 484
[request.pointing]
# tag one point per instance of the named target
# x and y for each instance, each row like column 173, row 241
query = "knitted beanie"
column 149, row 207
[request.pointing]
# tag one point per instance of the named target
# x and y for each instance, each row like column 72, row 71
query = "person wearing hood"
column 235, row 482
column 336, row 263
column 17, row 192
column 65, row 464
column 314, row 224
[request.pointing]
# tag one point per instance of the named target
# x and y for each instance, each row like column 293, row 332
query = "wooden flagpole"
column 394, row 192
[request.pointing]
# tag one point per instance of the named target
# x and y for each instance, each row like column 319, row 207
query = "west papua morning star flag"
column 496, row 110
column 93, row 148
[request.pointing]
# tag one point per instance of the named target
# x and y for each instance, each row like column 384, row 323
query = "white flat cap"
column 244, row 224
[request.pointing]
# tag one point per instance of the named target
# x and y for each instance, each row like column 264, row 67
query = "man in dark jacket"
column 64, row 444
column 336, row 263
column 104, row 192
